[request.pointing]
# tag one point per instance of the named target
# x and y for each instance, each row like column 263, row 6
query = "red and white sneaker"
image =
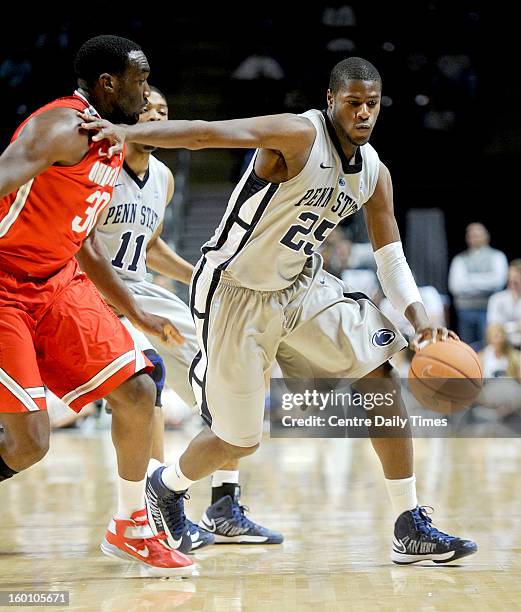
column 132, row 540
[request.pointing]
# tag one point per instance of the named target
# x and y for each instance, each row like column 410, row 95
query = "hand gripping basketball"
column 445, row 376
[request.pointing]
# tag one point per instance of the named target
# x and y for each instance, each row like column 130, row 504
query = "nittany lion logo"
column 383, row 337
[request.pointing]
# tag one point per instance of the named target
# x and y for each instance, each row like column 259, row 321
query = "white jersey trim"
column 25, row 396
column 244, row 212
column 112, row 368
column 16, row 208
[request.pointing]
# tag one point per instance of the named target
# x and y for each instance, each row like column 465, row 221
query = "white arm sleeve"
column 396, row 277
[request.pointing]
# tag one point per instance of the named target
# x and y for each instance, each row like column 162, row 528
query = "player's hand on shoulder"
column 155, row 325
column 105, row 130
column 429, row 335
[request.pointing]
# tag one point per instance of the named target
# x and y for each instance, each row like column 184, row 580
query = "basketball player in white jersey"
column 129, row 229
column 259, row 293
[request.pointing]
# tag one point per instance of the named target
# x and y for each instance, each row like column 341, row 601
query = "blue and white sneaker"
column 415, row 539
column 200, row 537
column 165, row 512
column 226, row 520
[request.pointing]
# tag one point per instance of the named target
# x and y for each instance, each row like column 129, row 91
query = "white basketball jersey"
column 136, row 210
column 270, row 230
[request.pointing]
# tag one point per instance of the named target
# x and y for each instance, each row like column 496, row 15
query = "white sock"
column 219, row 477
column 402, row 493
column 131, row 497
column 153, row 464
column 174, row 478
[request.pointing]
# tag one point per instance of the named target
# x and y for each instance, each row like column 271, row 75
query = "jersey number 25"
column 317, row 237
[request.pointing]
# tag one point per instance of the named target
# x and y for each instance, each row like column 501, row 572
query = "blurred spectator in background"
column 501, row 366
column 339, row 23
column 16, row 70
column 499, row 358
column 259, row 66
column 328, row 247
column 259, row 79
column 474, row 276
column 347, row 261
column 340, row 255
column 504, row 307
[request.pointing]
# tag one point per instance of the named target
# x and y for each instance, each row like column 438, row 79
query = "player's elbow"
column 202, row 135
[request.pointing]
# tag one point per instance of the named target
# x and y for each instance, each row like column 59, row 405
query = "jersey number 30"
column 317, row 237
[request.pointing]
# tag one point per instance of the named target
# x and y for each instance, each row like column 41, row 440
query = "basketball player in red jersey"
column 55, row 328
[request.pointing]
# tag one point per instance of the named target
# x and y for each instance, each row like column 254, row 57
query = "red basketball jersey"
column 44, row 223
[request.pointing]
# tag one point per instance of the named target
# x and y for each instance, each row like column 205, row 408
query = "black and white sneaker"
column 226, row 520
column 415, row 539
column 200, row 537
column 165, row 512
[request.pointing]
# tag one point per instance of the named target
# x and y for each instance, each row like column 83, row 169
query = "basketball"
column 445, row 376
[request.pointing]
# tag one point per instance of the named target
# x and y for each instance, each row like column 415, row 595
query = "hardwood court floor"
column 326, row 496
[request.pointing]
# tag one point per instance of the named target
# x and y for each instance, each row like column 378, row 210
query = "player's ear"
column 329, row 98
column 106, row 81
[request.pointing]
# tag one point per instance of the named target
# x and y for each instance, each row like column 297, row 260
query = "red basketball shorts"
column 60, row 333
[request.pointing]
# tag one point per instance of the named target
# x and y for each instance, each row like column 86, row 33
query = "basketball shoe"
column 131, row 540
column 166, row 513
column 200, row 537
column 226, row 520
column 416, row 539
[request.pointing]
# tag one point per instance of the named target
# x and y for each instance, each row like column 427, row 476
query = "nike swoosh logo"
column 118, row 185
column 399, row 546
column 142, row 553
column 324, row 167
column 194, row 537
column 322, row 281
column 176, row 543
column 209, row 526
column 427, row 371
column 171, row 540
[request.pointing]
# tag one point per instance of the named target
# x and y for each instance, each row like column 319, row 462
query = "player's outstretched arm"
column 286, row 133
column 49, row 138
column 95, row 262
column 393, row 270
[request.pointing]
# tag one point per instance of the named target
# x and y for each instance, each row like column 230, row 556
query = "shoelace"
column 238, row 514
column 173, row 511
column 192, row 527
column 423, row 523
column 141, row 543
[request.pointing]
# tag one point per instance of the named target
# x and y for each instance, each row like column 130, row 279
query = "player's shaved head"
column 110, row 54
column 352, row 69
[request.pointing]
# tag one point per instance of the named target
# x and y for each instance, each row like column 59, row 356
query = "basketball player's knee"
column 137, row 393
column 237, row 452
column 144, row 391
column 30, row 447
